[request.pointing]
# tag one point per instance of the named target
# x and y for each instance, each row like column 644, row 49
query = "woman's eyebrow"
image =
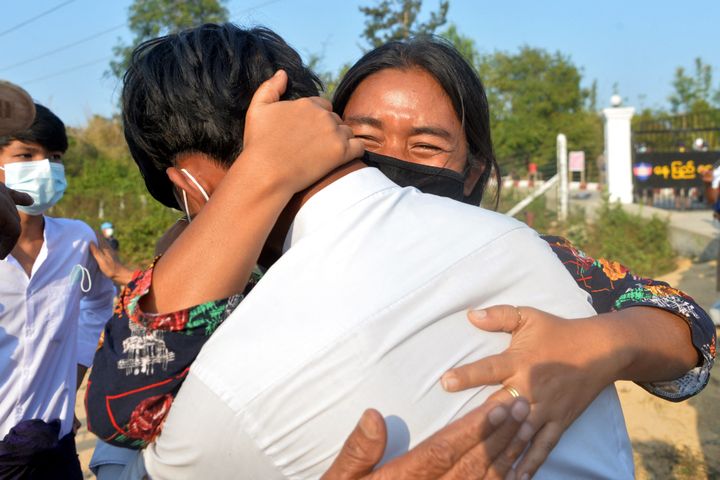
column 436, row 131
column 364, row 120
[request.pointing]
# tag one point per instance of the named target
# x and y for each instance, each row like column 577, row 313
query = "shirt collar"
column 334, row 199
column 49, row 233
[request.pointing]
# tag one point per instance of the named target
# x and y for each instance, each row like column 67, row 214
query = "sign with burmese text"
column 672, row 170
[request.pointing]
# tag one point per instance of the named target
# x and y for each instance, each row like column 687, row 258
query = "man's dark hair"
column 456, row 77
column 190, row 91
column 46, row 130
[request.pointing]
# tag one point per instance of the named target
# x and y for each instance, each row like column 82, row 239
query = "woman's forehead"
column 412, row 93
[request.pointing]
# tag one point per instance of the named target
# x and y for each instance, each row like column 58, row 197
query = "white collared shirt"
column 48, row 325
column 367, row 308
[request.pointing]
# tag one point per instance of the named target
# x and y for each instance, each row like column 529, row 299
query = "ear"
column 472, row 178
column 182, row 182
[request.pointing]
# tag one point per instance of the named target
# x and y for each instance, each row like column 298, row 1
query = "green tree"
column 151, row 18
column 104, row 184
column 533, row 96
column 398, row 19
column 463, row 44
column 329, row 79
column 693, row 93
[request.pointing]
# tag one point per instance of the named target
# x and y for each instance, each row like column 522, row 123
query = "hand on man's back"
column 472, row 447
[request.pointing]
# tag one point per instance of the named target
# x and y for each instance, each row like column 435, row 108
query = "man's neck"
column 30, row 242
column 274, row 245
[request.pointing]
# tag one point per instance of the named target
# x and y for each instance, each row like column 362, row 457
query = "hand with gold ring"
column 512, row 391
column 552, row 362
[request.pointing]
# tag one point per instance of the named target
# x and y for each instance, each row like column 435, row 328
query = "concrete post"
column 562, row 168
column 618, row 153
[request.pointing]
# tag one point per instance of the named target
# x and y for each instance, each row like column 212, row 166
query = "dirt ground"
column 677, row 440
column 673, row 440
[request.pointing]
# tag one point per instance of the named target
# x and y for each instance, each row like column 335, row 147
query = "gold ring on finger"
column 520, row 320
column 511, row 390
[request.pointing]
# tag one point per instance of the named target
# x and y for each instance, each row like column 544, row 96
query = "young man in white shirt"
column 54, row 302
column 365, row 304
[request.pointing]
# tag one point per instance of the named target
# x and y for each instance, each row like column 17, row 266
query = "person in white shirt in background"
column 712, row 185
column 365, row 304
column 54, row 302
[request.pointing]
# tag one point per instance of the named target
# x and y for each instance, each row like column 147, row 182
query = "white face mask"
column 43, row 180
column 81, row 275
column 184, row 195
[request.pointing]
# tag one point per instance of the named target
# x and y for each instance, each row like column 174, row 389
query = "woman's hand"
column 295, row 142
column 559, row 365
column 287, row 146
column 109, row 262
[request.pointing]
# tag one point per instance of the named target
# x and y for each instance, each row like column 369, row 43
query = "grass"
column 639, row 243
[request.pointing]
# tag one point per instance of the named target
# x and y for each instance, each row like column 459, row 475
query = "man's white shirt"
column 367, row 308
column 48, row 325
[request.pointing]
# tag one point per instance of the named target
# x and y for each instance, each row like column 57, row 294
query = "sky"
column 635, row 45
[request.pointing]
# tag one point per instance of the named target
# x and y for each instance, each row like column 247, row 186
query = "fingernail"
column 520, row 411
column 525, row 433
column 497, row 416
column 449, row 382
column 510, row 475
column 525, row 476
column 368, row 426
column 477, row 315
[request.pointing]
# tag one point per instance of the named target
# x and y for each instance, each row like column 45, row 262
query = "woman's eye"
column 367, row 138
column 426, row 146
column 23, row 155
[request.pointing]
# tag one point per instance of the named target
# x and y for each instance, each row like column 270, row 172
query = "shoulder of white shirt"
column 77, row 227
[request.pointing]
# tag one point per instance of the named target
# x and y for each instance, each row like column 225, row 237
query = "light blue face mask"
column 43, row 180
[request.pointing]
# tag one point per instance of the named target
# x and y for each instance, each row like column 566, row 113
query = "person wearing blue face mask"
column 55, row 302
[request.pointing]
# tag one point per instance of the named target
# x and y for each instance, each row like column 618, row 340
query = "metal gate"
column 670, row 155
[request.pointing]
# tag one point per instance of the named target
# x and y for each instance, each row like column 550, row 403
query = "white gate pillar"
column 618, row 152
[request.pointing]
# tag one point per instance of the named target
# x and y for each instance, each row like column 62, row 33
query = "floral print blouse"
column 613, row 287
column 144, row 358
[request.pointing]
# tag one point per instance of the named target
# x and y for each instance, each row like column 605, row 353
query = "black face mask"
column 435, row 180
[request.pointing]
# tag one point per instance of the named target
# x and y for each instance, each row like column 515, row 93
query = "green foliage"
column 398, row 19
column 533, row 96
column 329, row 79
column 465, row 45
column 639, row 243
column 105, row 185
column 693, row 93
column 151, row 18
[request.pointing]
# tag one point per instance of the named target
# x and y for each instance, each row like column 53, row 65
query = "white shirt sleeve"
column 96, row 308
column 196, row 438
column 716, row 178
